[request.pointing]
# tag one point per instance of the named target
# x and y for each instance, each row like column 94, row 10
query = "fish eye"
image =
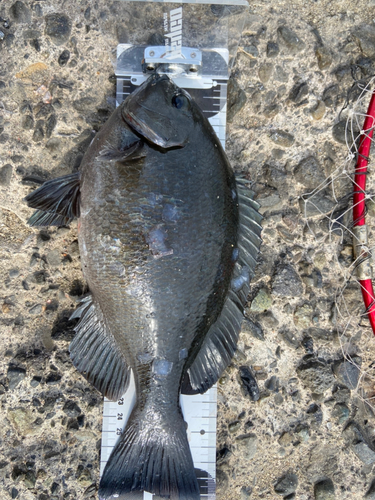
column 180, row 101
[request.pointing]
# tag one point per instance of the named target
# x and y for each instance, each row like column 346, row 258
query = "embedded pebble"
column 282, row 138
column 318, row 111
column 365, row 37
column 265, row 72
column 64, row 57
column 249, row 383
column 290, row 40
column 20, row 13
column 286, row 282
column 324, row 57
column 324, row 490
column 272, row 49
column 316, row 374
column 309, row 173
column 236, row 98
column 6, row 174
column 58, row 27
column 287, row 484
column 261, row 302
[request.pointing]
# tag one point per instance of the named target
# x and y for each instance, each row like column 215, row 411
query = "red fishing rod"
column 360, row 240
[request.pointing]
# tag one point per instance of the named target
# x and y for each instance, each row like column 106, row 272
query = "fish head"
column 160, row 112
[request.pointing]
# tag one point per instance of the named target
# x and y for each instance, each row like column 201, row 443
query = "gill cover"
column 160, row 112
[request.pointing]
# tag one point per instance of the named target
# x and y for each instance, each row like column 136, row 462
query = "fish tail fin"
column 152, row 455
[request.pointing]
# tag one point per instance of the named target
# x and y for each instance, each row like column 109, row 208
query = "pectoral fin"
column 57, row 201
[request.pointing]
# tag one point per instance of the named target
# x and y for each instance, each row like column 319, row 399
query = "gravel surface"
column 295, row 418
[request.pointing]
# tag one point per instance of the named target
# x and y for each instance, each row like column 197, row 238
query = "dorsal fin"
column 57, row 201
column 94, row 352
column 221, row 340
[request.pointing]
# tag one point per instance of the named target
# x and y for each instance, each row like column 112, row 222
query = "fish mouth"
column 144, row 130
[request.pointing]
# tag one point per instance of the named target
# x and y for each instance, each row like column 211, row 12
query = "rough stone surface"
column 286, row 282
column 324, row 490
column 300, row 408
column 58, row 28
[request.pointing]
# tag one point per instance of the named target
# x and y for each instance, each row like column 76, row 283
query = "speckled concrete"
column 309, row 432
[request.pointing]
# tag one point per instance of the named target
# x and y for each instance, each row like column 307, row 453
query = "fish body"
column 167, row 252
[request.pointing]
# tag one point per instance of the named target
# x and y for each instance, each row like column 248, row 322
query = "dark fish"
column 168, row 241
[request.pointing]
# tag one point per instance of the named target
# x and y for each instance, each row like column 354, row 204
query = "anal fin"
column 221, row 340
column 94, row 352
column 57, row 201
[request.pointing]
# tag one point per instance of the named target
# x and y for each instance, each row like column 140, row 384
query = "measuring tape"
column 199, row 410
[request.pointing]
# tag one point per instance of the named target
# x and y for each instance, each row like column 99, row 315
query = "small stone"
column 298, row 92
column 53, row 378
column 53, row 144
column 15, row 376
column 272, row 384
column 20, row 13
column 348, row 373
column 50, row 125
column 35, row 44
column 370, row 493
column 318, row 111
column 28, row 122
column 339, row 132
column 320, row 333
column 23, row 421
column 64, row 57
column 35, row 381
column 254, row 328
column 247, row 444
column 287, row 484
column 280, row 74
column 38, row 131
column 261, row 302
column 6, row 174
column 234, row 426
column 72, row 409
column 290, row 337
column 282, row 138
column 364, row 453
column 324, row 490
column 330, row 95
column 365, row 37
column 14, row 493
column 309, row 173
column 37, row 309
column 324, row 57
column 265, row 72
column 290, row 40
column 236, row 99
column 58, row 28
column 36, row 72
column 272, row 49
column 286, row 282
column 302, row 316
column 84, row 104
column 13, row 273
column 252, row 50
column 316, row 205
column 340, row 412
column 249, row 383
column 315, row 373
